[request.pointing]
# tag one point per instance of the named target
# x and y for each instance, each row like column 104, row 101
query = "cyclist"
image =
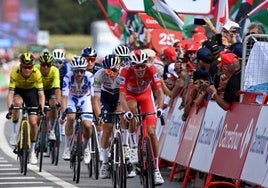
column 51, row 83
column 122, row 52
column 90, row 54
column 26, row 87
column 78, row 89
column 136, row 82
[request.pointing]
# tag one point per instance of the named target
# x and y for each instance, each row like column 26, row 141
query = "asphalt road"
column 51, row 176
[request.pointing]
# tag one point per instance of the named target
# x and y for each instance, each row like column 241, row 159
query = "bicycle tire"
column 149, row 163
column 78, row 155
column 42, row 141
column 93, row 166
column 117, row 163
column 24, row 150
column 55, row 145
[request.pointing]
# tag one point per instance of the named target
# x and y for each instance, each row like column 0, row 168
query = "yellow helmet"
column 27, row 59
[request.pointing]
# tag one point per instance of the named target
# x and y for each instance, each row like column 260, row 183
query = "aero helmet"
column 138, row 57
column 78, row 62
column 27, row 59
column 89, row 52
column 111, row 61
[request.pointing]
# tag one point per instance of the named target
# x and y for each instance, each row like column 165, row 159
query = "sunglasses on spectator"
column 45, row 65
column 141, row 66
column 29, row 67
column 109, row 71
column 82, row 71
column 91, row 59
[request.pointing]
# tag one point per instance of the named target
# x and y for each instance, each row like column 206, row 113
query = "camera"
column 235, row 30
column 199, row 21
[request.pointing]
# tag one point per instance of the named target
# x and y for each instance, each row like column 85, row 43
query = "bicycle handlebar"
column 64, row 114
column 143, row 115
column 12, row 107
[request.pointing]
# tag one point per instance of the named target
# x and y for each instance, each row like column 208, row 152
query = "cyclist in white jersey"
column 78, row 90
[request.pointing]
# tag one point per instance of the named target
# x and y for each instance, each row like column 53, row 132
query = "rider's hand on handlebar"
column 128, row 116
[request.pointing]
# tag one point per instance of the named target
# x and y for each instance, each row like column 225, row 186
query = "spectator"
column 169, row 56
column 231, row 67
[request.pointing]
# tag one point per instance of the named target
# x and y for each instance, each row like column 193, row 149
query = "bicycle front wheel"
column 118, row 163
column 149, row 164
column 23, row 148
column 77, row 156
column 42, row 133
column 55, row 145
column 93, row 166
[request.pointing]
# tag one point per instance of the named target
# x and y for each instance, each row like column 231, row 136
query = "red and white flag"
column 223, row 14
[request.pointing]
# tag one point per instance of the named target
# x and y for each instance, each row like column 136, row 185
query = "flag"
column 164, row 15
column 260, row 14
column 223, row 14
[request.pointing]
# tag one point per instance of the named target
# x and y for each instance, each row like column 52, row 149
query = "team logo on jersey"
column 122, row 80
column 156, row 77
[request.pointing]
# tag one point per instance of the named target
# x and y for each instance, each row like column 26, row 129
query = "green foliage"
column 67, row 16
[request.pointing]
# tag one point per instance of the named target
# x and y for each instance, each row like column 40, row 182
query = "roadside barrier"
column 232, row 144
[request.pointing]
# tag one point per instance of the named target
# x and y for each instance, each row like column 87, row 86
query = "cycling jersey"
column 72, row 89
column 103, row 82
column 18, row 81
column 52, row 80
column 129, row 82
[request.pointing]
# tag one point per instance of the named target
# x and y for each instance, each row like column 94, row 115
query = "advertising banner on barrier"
column 208, row 137
column 234, row 142
column 256, row 163
column 174, row 130
column 188, row 142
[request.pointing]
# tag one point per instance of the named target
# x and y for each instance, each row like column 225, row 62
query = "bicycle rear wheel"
column 93, row 166
column 117, row 163
column 42, row 133
column 77, row 157
column 23, row 151
column 149, row 166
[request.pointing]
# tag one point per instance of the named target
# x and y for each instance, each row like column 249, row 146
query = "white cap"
column 171, row 70
column 229, row 24
column 150, row 52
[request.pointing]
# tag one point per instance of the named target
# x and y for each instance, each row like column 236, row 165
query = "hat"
column 199, row 37
column 228, row 58
column 205, row 55
column 199, row 29
column 237, row 49
column 150, row 52
column 171, row 53
column 171, row 70
column 230, row 24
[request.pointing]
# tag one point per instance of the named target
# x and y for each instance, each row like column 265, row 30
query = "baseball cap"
column 150, row 52
column 171, row 53
column 228, row 58
column 230, row 24
column 199, row 29
column 171, row 70
column 205, row 55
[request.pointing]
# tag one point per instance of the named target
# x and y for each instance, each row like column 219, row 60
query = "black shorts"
column 29, row 96
column 50, row 94
column 109, row 103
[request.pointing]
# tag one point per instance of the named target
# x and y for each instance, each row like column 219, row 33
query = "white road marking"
column 8, row 151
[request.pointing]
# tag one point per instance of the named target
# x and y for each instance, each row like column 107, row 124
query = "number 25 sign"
column 164, row 37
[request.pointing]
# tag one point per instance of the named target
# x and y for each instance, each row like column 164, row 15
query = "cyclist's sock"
column 124, row 136
column 33, row 147
column 156, row 163
column 133, row 140
column 105, row 155
column 15, row 127
column 67, row 141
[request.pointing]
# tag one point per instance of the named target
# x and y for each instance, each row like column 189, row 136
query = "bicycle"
column 76, row 144
column 116, row 156
column 55, row 144
column 93, row 166
column 146, row 164
column 24, row 140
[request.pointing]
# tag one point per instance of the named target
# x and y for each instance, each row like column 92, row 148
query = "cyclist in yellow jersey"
column 51, row 82
column 26, row 87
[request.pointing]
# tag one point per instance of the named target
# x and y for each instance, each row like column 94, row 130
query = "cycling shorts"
column 30, row 98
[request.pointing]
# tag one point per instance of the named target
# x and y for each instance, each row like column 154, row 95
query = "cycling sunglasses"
column 124, row 59
column 109, row 71
column 45, row 65
column 91, row 59
column 28, row 67
column 82, row 71
column 58, row 62
column 141, row 66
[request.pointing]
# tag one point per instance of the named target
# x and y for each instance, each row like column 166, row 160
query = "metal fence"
column 255, row 63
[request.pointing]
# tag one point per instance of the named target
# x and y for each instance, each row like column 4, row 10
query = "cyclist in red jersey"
column 139, row 82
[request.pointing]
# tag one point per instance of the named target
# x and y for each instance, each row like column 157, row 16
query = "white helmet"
column 138, row 57
column 78, row 62
column 121, row 51
column 59, row 54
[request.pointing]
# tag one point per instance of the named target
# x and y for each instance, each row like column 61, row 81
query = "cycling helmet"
column 89, row 52
column 59, row 54
column 78, row 62
column 46, row 57
column 138, row 57
column 27, row 59
column 121, row 51
column 111, row 61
